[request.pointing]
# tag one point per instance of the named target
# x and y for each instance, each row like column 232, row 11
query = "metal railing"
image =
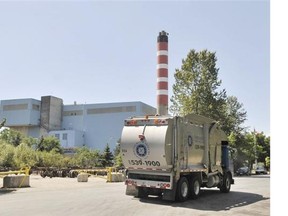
column 25, row 171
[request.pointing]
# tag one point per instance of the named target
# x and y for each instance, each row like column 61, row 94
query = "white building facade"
column 90, row 125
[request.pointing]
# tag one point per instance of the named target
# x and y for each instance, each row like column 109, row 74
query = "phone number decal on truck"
column 144, row 163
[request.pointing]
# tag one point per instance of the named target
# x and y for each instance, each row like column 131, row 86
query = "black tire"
column 182, row 192
column 226, row 185
column 195, row 187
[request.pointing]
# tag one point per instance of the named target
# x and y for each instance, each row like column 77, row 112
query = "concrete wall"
column 22, row 115
column 32, row 131
column 51, row 113
column 20, row 112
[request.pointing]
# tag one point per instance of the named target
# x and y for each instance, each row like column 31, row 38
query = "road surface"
column 249, row 196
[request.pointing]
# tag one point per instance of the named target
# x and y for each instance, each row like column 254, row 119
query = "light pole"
column 255, row 148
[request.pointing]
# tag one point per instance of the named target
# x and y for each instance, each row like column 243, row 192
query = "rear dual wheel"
column 186, row 188
column 195, row 187
column 182, row 192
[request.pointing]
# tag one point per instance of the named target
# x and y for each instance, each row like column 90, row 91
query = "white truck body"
column 165, row 155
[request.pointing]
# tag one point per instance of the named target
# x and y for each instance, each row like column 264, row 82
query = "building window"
column 57, row 136
column 73, row 113
column 64, row 136
column 35, row 107
column 15, row 107
column 111, row 110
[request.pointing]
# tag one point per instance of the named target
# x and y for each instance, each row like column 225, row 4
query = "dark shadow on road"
column 4, row 191
column 212, row 200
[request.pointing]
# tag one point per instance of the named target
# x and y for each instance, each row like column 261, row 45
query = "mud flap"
column 170, row 194
column 132, row 190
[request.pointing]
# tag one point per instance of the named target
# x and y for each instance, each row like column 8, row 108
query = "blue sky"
column 101, row 52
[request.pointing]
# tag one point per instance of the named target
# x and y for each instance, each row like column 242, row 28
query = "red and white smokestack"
column 162, row 73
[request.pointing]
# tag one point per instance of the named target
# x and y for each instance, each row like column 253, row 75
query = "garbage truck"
column 174, row 157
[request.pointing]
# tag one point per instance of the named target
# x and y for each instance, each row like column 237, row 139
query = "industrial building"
column 77, row 125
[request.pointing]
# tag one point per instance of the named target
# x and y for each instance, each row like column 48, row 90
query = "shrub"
column 24, row 156
column 6, row 155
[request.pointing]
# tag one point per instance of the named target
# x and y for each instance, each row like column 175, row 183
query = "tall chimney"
column 162, row 73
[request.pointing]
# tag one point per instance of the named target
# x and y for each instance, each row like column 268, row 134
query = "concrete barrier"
column 16, row 181
column 117, row 177
column 82, row 177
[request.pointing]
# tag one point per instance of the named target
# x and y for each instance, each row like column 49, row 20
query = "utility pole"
column 255, row 148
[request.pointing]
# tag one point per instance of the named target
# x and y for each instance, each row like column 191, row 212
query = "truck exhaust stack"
column 162, row 73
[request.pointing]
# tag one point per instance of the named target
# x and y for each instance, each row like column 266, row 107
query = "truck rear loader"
column 174, row 157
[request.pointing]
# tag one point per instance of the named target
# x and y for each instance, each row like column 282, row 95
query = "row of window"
column 101, row 110
column 64, row 136
column 20, row 107
column 74, row 112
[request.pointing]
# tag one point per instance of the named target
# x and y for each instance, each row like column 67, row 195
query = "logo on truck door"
column 141, row 149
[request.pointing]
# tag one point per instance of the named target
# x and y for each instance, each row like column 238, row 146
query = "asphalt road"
column 65, row 196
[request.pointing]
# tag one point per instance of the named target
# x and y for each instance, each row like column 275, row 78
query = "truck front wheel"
column 182, row 192
column 226, row 185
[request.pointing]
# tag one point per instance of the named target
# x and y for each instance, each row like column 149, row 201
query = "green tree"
column 86, row 158
column 234, row 116
column 6, row 154
column 236, row 142
column 48, row 144
column 24, row 156
column 107, row 157
column 267, row 162
column 117, row 149
column 2, row 123
column 31, row 142
column 263, row 144
column 245, row 149
column 197, row 90
column 50, row 159
column 12, row 137
column 196, row 85
column 250, row 147
column 117, row 155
